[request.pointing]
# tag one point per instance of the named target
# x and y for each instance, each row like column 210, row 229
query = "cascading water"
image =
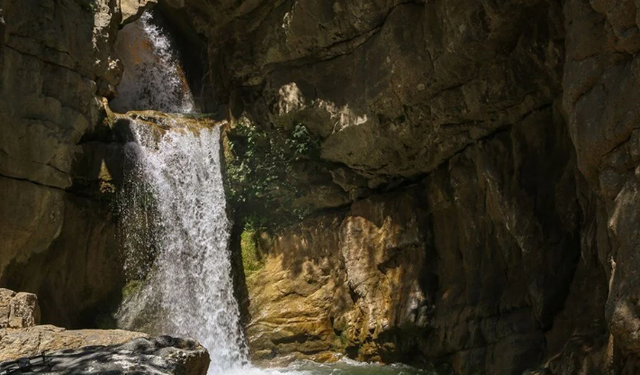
column 174, row 222
column 190, row 288
column 153, row 77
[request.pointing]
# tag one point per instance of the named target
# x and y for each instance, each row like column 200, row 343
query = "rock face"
column 336, row 290
column 509, row 128
column 88, row 351
column 21, row 336
column 453, row 267
column 472, row 197
column 18, row 310
column 56, row 225
column 31, row 341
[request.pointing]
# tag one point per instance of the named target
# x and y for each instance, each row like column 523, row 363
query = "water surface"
column 343, row 367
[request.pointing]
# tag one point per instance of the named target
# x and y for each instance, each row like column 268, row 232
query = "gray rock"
column 161, row 355
column 55, row 58
column 5, row 306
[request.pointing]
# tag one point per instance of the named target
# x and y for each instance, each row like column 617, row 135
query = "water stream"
column 153, row 77
column 174, row 223
column 190, row 289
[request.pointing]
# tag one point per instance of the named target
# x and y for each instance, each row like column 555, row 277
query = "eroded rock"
column 56, row 60
column 133, row 9
column 453, row 267
column 90, row 351
column 25, row 311
column 18, row 310
column 31, row 341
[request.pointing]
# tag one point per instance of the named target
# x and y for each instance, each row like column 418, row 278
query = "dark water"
column 346, row 367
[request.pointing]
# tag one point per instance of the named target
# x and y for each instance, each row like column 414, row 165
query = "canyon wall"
column 473, row 197
column 56, row 166
column 429, row 181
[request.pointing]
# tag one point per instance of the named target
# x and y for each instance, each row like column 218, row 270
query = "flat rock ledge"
column 32, row 341
column 29, row 348
column 158, row 355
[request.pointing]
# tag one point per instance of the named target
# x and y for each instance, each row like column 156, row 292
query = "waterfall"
column 153, row 77
column 190, row 290
column 174, row 228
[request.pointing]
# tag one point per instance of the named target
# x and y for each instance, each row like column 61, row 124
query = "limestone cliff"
column 56, row 172
column 474, row 194
column 429, row 181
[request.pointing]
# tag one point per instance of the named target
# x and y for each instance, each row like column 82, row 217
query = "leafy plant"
column 260, row 176
column 302, row 143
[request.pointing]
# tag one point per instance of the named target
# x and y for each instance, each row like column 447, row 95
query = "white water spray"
column 190, row 289
column 173, row 211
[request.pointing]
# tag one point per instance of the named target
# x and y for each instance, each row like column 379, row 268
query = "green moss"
column 251, row 260
column 131, row 288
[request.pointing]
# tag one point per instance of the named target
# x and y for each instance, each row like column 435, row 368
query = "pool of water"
column 342, row 367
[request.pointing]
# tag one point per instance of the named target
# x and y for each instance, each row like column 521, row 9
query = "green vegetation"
column 131, row 288
column 251, row 260
column 261, row 175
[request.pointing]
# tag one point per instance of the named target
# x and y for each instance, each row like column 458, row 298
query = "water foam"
column 189, row 291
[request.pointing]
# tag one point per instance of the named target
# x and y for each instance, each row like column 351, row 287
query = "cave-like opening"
column 164, row 64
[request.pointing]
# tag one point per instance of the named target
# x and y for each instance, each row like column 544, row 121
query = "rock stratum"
column 462, row 175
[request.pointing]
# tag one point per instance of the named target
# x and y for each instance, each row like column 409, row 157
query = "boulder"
column 133, row 9
column 88, row 351
column 18, row 310
column 5, row 306
column 161, row 355
column 25, row 311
